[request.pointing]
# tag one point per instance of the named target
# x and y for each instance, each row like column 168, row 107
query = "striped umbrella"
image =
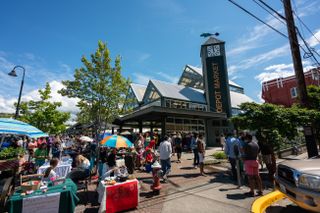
column 116, row 141
column 15, row 127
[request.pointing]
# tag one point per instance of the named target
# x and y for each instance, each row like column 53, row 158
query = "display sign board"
column 216, row 76
column 48, row 203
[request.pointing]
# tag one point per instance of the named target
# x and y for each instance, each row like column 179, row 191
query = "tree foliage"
column 269, row 120
column 275, row 122
column 44, row 114
column 100, row 87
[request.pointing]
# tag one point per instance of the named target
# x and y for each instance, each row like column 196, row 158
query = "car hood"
column 309, row 166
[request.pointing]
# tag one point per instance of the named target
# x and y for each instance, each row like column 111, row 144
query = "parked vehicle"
column 299, row 180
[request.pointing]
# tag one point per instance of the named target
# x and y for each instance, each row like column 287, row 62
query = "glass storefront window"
column 177, row 104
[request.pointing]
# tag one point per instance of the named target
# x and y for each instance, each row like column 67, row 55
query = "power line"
column 273, row 10
column 307, row 46
column 306, row 27
column 251, row 14
column 269, row 11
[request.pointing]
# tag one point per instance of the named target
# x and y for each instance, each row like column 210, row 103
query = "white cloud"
column 141, row 78
column 280, row 70
column 169, row 78
column 312, row 41
column 259, row 97
column 68, row 104
column 259, row 59
column 143, row 57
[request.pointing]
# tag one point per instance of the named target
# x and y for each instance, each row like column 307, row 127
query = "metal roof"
column 180, row 92
column 238, row 98
column 212, row 40
column 138, row 90
column 199, row 71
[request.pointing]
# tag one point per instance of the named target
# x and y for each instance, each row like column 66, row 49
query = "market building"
column 201, row 101
column 283, row 91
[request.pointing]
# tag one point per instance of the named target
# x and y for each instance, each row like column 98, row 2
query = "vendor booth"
column 61, row 198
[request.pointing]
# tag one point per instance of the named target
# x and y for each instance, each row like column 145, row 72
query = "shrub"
column 9, row 153
column 220, row 155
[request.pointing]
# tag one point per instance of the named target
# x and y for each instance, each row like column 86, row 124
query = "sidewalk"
column 187, row 191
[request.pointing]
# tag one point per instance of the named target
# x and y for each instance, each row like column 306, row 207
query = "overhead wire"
column 273, row 28
column 272, row 14
column 251, row 14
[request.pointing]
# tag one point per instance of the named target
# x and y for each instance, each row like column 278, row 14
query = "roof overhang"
column 156, row 113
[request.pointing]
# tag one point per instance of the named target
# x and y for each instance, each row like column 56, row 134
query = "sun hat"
column 156, row 165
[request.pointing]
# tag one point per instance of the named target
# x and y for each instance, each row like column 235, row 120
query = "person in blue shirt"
column 232, row 151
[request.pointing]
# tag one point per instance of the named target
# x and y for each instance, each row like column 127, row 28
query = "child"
column 149, row 159
column 50, row 174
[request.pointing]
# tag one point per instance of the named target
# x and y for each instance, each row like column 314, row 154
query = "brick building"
column 283, row 91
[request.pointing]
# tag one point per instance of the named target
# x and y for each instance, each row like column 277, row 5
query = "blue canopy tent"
column 15, row 127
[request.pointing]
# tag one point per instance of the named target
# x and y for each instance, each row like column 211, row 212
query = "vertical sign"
column 215, row 76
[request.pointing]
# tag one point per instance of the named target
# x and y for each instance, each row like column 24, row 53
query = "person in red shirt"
column 149, row 159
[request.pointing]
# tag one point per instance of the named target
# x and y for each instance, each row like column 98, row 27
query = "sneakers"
column 249, row 194
column 259, row 193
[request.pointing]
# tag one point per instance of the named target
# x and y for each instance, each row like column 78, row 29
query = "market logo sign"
column 215, row 76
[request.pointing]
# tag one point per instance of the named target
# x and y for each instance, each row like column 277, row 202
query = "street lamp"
column 14, row 74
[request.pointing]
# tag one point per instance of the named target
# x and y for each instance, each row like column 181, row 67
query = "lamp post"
column 14, row 74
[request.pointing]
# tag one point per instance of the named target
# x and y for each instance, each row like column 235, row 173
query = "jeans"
column 196, row 157
column 166, row 166
column 233, row 167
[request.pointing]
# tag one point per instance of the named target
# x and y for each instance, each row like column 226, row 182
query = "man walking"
column 165, row 151
column 194, row 147
column 231, row 150
column 201, row 152
column 251, row 164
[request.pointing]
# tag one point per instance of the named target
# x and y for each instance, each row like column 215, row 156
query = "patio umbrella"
column 86, row 139
column 116, row 141
column 15, row 127
column 125, row 133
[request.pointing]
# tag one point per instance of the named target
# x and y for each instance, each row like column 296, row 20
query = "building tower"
column 215, row 75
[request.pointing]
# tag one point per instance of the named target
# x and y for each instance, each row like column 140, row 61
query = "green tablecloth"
column 68, row 198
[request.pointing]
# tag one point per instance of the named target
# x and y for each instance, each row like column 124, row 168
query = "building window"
column 171, row 103
column 293, row 92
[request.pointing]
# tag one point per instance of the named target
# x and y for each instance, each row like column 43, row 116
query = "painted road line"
column 260, row 204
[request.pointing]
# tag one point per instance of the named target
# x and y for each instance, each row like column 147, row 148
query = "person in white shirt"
column 50, row 174
column 165, row 151
column 83, row 163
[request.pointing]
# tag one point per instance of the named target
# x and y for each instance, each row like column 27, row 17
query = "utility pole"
column 301, row 84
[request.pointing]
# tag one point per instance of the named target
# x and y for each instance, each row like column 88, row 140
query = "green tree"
column 100, row 87
column 272, row 120
column 44, row 114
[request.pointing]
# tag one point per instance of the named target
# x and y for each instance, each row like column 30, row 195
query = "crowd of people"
column 249, row 153
column 147, row 149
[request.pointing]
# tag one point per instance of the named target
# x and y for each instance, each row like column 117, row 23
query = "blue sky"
column 155, row 39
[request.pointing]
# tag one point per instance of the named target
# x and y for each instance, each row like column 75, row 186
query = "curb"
column 262, row 203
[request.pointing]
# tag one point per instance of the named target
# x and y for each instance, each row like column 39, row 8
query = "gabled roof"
column 199, row 71
column 212, row 40
column 180, row 92
column 138, row 90
column 238, row 98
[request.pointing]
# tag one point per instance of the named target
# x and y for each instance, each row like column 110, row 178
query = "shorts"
column 251, row 167
column 201, row 157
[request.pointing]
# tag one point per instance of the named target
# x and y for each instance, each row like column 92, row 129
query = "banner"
column 122, row 197
column 48, row 203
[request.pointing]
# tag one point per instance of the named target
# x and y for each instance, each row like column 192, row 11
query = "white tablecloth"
column 102, row 192
column 61, row 170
